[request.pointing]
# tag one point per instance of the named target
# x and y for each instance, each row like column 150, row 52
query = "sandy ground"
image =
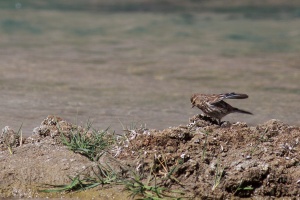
column 248, row 161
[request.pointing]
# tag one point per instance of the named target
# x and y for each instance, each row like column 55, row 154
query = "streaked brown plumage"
column 214, row 106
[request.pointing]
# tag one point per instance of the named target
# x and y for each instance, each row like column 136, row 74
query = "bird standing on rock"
column 214, row 106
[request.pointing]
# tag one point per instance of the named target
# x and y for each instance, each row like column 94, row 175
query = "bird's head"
column 193, row 100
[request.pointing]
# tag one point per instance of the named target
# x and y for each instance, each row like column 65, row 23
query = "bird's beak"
column 193, row 106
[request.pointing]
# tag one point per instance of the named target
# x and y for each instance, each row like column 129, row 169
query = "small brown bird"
column 214, row 106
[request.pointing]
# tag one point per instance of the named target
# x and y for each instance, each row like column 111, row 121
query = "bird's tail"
column 233, row 95
column 241, row 111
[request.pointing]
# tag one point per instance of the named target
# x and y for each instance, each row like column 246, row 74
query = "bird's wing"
column 231, row 95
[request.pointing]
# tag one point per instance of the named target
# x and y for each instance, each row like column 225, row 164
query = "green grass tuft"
column 137, row 188
column 87, row 142
column 76, row 185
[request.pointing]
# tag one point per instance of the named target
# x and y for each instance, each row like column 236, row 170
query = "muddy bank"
column 201, row 160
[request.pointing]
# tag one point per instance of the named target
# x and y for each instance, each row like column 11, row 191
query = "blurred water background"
column 137, row 62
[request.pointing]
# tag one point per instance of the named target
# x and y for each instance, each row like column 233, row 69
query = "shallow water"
column 141, row 68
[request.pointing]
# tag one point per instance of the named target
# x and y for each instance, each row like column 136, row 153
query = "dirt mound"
column 201, row 159
column 219, row 162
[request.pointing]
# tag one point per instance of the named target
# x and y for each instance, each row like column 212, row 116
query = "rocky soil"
column 201, row 159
